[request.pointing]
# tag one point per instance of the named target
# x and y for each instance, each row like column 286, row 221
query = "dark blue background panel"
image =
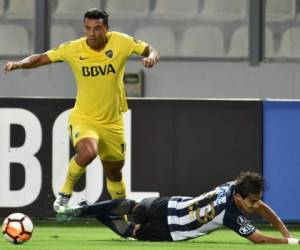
column 179, row 147
column 282, row 157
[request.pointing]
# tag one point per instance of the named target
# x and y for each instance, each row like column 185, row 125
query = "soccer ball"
column 17, row 228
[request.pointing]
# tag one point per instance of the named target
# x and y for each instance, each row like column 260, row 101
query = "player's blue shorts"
column 152, row 215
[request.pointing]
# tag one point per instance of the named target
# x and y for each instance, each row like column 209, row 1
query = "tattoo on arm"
column 34, row 61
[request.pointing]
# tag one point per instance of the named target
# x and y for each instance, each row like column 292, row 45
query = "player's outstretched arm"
column 269, row 215
column 259, row 238
column 151, row 57
column 30, row 62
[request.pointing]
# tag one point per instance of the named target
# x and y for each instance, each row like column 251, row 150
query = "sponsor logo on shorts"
column 241, row 220
column 246, row 229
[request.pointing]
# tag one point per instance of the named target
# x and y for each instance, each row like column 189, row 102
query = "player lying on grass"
column 180, row 218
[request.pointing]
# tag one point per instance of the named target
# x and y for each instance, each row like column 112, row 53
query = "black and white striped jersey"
column 193, row 217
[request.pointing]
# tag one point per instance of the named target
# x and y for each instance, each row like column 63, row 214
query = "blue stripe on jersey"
column 181, row 198
column 179, row 212
column 194, row 224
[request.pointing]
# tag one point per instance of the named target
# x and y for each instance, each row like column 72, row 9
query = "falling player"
column 180, row 218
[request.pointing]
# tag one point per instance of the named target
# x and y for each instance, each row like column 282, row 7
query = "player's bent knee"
column 123, row 206
column 130, row 205
column 87, row 155
column 90, row 153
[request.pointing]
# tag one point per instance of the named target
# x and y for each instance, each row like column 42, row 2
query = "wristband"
column 293, row 241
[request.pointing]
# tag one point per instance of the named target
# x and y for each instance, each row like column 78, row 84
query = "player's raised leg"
column 86, row 149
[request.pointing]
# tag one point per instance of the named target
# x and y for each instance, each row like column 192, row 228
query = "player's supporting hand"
column 10, row 66
column 148, row 62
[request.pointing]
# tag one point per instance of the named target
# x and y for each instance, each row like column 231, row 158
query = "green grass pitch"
column 91, row 236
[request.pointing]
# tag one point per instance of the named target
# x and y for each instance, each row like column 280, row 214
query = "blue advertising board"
column 281, row 164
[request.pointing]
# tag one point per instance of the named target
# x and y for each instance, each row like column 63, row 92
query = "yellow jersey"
column 99, row 75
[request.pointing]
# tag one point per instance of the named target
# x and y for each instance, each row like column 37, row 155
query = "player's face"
column 95, row 31
column 248, row 204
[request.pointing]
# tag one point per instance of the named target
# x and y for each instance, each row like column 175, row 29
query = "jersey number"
column 209, row 214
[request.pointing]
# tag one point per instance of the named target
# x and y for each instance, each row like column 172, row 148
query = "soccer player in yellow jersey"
column 95, row 124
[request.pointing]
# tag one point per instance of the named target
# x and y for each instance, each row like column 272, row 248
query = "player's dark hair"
column 95, row 13
column 249, row 183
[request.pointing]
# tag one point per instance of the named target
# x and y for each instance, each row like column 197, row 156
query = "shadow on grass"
column 170, row 242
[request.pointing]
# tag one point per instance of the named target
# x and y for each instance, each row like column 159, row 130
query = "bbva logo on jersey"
column 98, row 70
